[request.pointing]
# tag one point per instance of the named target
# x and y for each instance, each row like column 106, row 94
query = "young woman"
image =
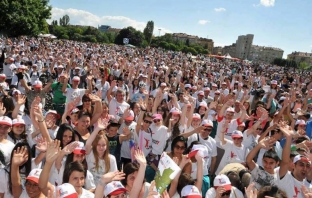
column 105, row 117
column 75, row 173
column 18, row 133
column 98, row 158
column 6, row 146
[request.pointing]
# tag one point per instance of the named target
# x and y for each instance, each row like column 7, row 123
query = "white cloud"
column 82, row 17
column 220, row 9
column 203, row 22
column 267, row 3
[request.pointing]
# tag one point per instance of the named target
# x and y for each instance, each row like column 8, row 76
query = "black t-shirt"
column 114, row 146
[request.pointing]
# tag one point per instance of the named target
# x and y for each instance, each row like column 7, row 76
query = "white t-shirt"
column 6, row 149
column 231, row 127
column 291, row 186
column 103, row 88
column 97, row 174
column 250, row 141
column 235, row 193
column 4, row 188
column 71, row 94
column 159, row 135
column 144, row 141
column 262, row 178
column 117, row 109
column 232, row 154
column 125, row 145
column 86, row 194
column 211, row 146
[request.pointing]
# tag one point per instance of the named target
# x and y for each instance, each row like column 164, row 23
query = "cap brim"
column 74, row 195
column 18, row 124
column 130, row 118
column 236, row 136
column 37, row 86
column 193, row 196
column 5, row 123
column 207, row 125
column 227, row 187
column 175, row 113
column 118, row 191
column 34, row 179
column 79, row 151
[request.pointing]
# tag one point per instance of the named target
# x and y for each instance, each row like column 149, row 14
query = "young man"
column 292, row 182
column 266, row 175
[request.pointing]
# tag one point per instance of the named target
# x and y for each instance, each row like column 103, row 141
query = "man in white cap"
column 223, row 188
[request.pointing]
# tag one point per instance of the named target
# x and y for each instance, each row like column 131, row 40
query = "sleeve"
column 214, row 150
column 113, row 164
column 211, row 193
column 14, row 80
column 90, row 181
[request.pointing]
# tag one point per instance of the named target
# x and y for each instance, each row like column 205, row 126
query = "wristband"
column 41, row 120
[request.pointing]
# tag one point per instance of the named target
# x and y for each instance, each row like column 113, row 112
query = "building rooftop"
column 304, row 54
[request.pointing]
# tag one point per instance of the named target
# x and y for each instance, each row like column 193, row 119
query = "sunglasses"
column 86, row 101
column 148, row 122
column 237, row 138
column 260, row 129
column 226, row 193
column 179, row 147
column 207, row 130
column 155, row 121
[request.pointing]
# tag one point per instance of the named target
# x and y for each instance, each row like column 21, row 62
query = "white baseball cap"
column 207, row 123
column 301, row 158
column 34, row 175
column 4, row 120
column 202, row 150
column 16, row 91
column 187, row 86
column 114, row 188
column 237, row 134
column 300, row 122
column 230, row 109
column 190, row 191
column 222, row 180
column 37, row 84
column 175, row 111
column 51, row 111
column 66, row 190
column 18, row 121
column 76, row 78
column 2, row 76
column 80, row 149
column 131, row 116
column 196, row 115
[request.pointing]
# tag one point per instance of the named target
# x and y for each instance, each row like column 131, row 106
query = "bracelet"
column 41, row 120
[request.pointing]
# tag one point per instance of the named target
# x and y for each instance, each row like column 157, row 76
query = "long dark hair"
column 70, row 159
column 60, row 133
column 26, row 165
column 23, row 136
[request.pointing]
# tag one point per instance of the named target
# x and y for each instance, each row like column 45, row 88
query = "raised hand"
column 94, row 98
column 213, row 105
column 53, row 151
column 151, row 192
column 113, row 83
column 112, row 176
column 251, row 192
column 69, row 148
column 139, row 156
column 20, row 156
column 267, row 143
column 21, row 99
column 42, row 144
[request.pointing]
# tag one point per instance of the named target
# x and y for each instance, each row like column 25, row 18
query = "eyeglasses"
column 207, row 130
column 155, row 121
column 148, row 122
column 179, row 147
column 29, row 185
column 226, row 193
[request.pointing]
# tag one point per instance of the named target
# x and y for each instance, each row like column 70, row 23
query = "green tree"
column 187, row 42
column 303, row 65
column 148, row 31
column 54, row 22
column 135, row 37
column 25, row 17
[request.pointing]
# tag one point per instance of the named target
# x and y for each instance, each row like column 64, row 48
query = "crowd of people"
column 89, row 120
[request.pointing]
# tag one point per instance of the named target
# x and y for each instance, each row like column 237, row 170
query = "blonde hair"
column 100, row 136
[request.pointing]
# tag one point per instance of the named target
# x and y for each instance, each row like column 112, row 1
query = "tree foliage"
column 27, row 17
column 135, row 37
column 285, row 62
column 148, row 31
column 64, row 20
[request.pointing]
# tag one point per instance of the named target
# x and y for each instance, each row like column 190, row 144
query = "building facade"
column 265, row 54
column 230, row 49
column 243, row 46
column 299, row 57
column 206, row 43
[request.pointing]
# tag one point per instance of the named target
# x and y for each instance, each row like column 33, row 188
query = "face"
column 101, row 147
column 18, row 129
column 67, row 137
column 37, row 90
column 206, row 132
column 240, row 128
column 32, row 189
column 246, row 105
column 74, row 117
column 229, row 115
column 121, row 195
column 175, row 117
column 196, row 122
column 79, row 158
column 158, row 122
column 4, row 129
column 130, row 179
column 202, row 110
column 119, row 97
column 147, row 122
column 77, row 179
column 237, row 141
column 269, row 164
column 50, row 120
column 301, row 169
column 86, row 102
column 84, row 122
column 112, row 131
column 178, row 149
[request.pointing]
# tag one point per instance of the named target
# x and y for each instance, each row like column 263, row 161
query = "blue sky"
column 278, row 23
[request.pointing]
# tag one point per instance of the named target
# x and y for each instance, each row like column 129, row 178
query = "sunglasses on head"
column 148, row 122
column 226, row 193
